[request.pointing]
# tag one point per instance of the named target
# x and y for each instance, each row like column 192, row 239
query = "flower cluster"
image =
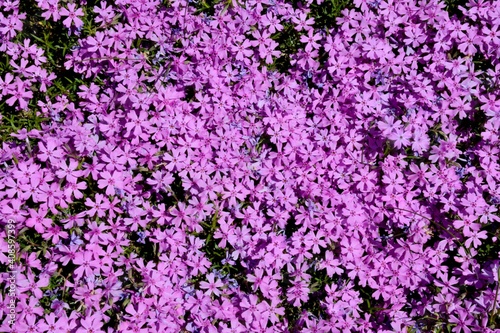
column 240, row 167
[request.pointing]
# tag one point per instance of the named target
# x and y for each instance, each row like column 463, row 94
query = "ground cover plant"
column 250, row 166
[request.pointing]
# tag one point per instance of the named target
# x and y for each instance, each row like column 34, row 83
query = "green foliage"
column 291, row 226
column 289, row 44
column 206, row 6
column 265, row 141
column 53, row 38
column 326, row 13
column 452, row 6
column 218, row 256
column 30, row 240
column 288, row 39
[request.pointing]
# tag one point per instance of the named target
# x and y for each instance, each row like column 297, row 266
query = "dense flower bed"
column 250, row 166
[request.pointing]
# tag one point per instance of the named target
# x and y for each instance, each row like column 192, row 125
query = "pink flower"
column 20, row 94
column 54, row 323
column 91, row 324
column 252, row 308
column 331, row 264
column 212, row 286
column 73, row 15
column 38, row 220
column 462, row 322
column 110, row 181
column 401, row 138
column 298, row 293
column 98, row 206
column 50, row 151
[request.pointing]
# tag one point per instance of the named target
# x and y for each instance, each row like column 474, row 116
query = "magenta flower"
column 257, row 167
column 73, row 16
column 212, row 286
column 110, row 181
column 97, row 206
column 19, row 94
column 38, row 220
column 90, row 324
